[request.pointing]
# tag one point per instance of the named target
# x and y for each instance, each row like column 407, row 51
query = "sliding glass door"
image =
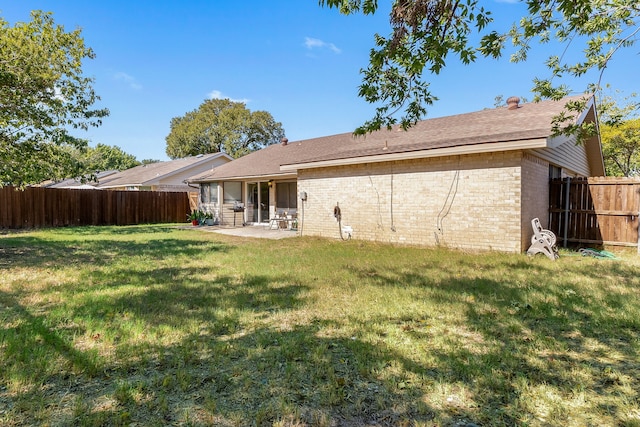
column 257, row 202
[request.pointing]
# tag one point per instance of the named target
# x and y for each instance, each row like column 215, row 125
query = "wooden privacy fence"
column 37, row 207
column 600, row 211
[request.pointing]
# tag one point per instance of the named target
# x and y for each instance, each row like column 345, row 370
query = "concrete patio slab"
column 254, row 231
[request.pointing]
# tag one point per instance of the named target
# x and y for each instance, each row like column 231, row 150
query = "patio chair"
column 543, row 241
column 276, row 220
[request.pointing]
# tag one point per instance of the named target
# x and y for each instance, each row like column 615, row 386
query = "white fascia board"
column 423, row 154
column 590, row 105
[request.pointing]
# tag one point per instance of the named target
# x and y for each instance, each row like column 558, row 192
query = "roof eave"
column 244, row 178
column 422, row 154
column 116, row 185
column 593, row 144
column 189, row 166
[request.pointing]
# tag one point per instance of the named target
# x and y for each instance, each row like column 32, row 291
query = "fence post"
column 567, row 206
column 638, row 232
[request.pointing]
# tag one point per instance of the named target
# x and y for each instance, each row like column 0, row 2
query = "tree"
column 426, row 32
column 620, row 134
column 615, row 109
column 621, row 148
column 43, row 95
column 222, row 125
column 106, row 157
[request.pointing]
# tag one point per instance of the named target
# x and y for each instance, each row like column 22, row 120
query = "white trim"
column 423, row 154
column 589, row 105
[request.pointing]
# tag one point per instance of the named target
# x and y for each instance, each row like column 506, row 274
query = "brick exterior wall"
column 535, row 195
column 466, row 202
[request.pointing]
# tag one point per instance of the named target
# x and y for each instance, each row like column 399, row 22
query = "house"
column 76, row 183
column 470, row 181
column 164, row 176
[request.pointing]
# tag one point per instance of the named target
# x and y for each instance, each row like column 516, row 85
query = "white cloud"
column 216, row 94
column 126, row 78
column 311, row 43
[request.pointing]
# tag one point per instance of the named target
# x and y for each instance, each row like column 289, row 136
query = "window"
column 286, row 196
column 213, row 192
column 209, row 192
column 232, row 192
column 204, row 193
column 555, row 172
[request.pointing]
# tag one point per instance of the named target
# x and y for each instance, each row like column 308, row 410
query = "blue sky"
column 156, row 60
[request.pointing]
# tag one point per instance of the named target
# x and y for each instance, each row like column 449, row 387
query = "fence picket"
column 601, row 210
column 36, row 207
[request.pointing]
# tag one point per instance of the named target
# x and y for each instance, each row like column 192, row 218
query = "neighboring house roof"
column 153, row 173
column 491, row 130
column 77, row 182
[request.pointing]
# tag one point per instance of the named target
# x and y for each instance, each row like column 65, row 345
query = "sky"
column 160, row 59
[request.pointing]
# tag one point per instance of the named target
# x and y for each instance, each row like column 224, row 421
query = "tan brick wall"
column 467, row 202
column 535, row 195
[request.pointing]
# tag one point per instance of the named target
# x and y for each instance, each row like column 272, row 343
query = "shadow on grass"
column 37, row 354
column 185, row 345
column 529, row 330
column 114, row 230
column 24, row 334
column 29, row 251
column 204, row 352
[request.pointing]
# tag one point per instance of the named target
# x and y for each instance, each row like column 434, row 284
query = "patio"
column 253, row 231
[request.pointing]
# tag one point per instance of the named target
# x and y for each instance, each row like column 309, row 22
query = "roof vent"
column 513, row 102
column 284, row 141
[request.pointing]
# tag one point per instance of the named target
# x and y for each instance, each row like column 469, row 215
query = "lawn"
column 154, row 325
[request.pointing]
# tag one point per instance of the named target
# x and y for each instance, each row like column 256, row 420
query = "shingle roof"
column 527, row 122
column 77, row 182
column 145, row 174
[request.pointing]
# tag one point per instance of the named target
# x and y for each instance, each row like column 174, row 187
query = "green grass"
column 152, row 325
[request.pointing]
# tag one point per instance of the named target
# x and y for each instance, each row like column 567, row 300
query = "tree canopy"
column 222, row 125
column 104, row 157
column 43, row 95
column 620, row 134
column 425, row 33
column 621, row 148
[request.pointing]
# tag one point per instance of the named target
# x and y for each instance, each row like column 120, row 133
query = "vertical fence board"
column 600, row 210
column 36, row 207
column 4, row 207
